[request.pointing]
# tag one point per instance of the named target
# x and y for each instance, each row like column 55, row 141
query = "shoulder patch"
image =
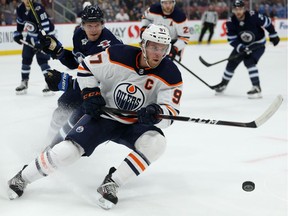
column 156, row 9
column 123, row 54
column 252, row 13
column 178, row 16
column 168, row 72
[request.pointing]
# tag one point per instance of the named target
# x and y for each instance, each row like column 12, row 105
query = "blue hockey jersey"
column 27, row 21
column 250, row 30
column 82, row 47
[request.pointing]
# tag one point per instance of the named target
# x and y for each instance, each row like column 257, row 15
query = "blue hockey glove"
column 58, row 81
column 274, row 40
column 52, row 46
column 37, row 47
column 244, row 49
column 148, row 115
column 17, row 36
column 92, row 102
column 247, row 51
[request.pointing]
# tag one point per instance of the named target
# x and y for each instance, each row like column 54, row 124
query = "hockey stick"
column 253, row 124
column 178, row 62
column 211, row 64
column 227, row 59
column 53, row 43
column 36, row 17
column 33, row 47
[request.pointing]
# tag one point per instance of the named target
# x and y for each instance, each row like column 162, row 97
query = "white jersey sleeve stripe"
column 172, row 111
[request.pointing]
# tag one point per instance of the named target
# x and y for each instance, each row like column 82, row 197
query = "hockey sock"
column 62, row 154
column 228, row 75
column 254, row 76
column 44, row 67
column 133, row 165
column 149, row 147
column 25, row 72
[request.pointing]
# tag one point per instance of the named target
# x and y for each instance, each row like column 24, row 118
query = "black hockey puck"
column 248, row 186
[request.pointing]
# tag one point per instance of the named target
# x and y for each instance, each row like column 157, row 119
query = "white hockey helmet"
column 156, row 33
column 85, row 4
column 168, row 0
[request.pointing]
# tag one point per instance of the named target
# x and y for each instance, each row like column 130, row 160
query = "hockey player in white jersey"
column 125, row 77
column 167, row 13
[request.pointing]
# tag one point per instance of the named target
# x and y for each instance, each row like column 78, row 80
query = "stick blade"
column 204, row 62
column 270, row 111
column 260, row 120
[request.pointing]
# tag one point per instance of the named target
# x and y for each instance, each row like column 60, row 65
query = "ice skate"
column 16, row 185
column 254, row 93
column 47, row 92
column 108, row 190
column 219, row 88
column 22, row 88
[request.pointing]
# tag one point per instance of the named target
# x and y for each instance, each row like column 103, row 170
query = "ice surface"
column 202, row 170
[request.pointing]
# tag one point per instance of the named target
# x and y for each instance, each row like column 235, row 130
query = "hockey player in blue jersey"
column 245, row 32
column 168, row 14
column 91, row 38
column 25, row 19
column 125, row 77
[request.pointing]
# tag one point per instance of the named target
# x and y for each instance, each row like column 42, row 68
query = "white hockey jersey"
column 126, row 86
column 175, row 22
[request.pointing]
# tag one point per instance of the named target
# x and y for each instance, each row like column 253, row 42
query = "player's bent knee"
column 151, row 144
column 249, row 63
column 65, row 153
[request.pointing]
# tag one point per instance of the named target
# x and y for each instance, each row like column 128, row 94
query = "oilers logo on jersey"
column 128, row 96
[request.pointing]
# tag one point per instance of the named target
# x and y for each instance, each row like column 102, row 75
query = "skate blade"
column 103, row 203
column 255, row 96
column 22, row 92
column 219, row 93
column 48, row 93
column 12, row 195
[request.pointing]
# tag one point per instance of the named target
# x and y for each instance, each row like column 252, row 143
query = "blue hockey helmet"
column 238, row 3
column 92, row 14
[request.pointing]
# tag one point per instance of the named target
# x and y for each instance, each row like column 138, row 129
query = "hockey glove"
column 92, row 102
column 244, row 49
column 173, row 52
column 142, row 30
column 148, row 115
column 274, row 40
column 52, row 46
column 17, row 36
column 58, row 81
column 37, row 46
